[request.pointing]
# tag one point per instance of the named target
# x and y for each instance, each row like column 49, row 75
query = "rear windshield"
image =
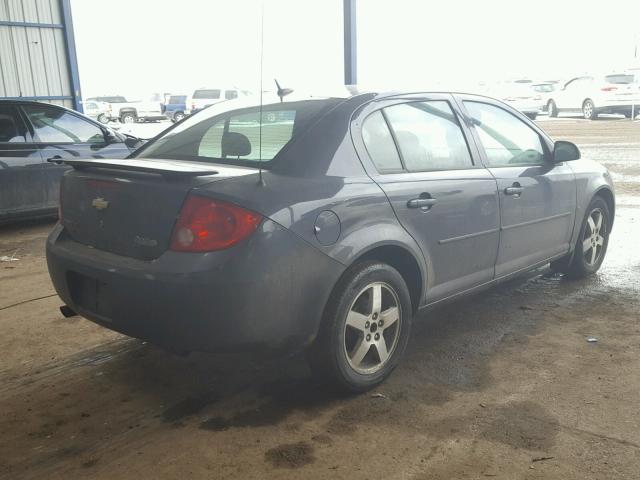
column 177, row 99
column 210, row 94
column 543, row 87
column 237, row 136
column 112, row 99
column 619, row 79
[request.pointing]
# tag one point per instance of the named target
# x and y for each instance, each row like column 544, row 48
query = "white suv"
column 592, row 95
column 203, row 97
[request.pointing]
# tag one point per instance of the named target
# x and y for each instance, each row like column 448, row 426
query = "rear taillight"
column 609, row 89
column 206, row 224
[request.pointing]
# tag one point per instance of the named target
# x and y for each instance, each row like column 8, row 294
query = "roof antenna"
column 282, row 92
column 260, row 179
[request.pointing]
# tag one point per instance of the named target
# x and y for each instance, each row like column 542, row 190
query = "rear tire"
column 552, row 109
column 365, row 328
column 589, row 110
column 178, row 116
column 591, row 246
column 532, row 116
column 102, row 118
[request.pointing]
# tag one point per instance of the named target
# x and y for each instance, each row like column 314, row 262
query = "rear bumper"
column 267, row 293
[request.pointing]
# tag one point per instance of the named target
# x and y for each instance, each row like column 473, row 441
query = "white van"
column 203, row 97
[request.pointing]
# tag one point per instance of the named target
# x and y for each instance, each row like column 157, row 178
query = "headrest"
column 235, row 144
column 8, row 129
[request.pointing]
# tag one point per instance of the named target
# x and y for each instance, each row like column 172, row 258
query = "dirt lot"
column 502, row 385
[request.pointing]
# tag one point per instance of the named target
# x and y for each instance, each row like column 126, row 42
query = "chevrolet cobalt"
column 322, row 224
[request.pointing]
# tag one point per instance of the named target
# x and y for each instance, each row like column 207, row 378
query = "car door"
column 537, row 196
column 62, row 134
column 444, row 198
column 22, row 180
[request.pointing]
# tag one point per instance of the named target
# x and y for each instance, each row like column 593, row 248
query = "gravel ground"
column 500, row 385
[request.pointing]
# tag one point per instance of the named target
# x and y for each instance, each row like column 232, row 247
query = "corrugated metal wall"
column 35, row 57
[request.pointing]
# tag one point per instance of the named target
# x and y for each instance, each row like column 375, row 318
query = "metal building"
column 37, row 52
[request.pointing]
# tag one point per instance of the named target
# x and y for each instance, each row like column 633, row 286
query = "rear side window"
column 379, row 143
column 230, row 94
column 506, row 139
column 11, row 128
column 429, row 136
column 53, row 125
column 207, row 94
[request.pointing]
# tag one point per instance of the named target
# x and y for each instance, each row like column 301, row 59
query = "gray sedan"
column 322, row 223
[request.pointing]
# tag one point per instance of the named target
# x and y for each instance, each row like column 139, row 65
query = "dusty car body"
column 332, row 213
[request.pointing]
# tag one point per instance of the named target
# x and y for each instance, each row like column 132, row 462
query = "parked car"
column 523, row 96
column 203, row 97
column 175, row 107
column 593, row 95
column 31, row 133
column 325, row 233
column 97, row 110
column 544, row 90
column 130, row 112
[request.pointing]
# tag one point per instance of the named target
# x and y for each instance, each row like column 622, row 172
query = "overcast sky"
column 137, row 47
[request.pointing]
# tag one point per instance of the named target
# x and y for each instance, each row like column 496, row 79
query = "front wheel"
column 102, row 118
column 552, row 109
column 592, row 243
column 365, row 328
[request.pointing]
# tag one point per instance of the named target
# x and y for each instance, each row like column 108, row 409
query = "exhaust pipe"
column 67, row 311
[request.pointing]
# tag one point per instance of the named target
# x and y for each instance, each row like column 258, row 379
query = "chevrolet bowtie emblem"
column 99, row 203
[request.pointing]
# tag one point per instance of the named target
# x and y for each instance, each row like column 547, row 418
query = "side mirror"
column 565, row 152
column 110, row 136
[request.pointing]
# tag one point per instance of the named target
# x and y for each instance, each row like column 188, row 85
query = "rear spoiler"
column 162, row 167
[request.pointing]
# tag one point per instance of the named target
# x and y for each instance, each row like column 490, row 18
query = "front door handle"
column 57, row 159
column 424, row 203
column 515, row 190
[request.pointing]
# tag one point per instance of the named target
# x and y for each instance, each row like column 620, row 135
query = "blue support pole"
column 72, row 57
column 350, row 43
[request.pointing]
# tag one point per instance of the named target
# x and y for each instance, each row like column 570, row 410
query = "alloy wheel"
column 594, row 236
column 372, row 328
column 588, row 110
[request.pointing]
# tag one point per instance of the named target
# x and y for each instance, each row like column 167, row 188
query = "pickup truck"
column 175, row 107
column 131, row 112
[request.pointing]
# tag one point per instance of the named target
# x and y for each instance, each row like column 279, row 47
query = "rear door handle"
column 424, row 203
column 55, row 159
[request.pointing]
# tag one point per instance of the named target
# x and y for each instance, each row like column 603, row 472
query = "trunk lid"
column 129, row 207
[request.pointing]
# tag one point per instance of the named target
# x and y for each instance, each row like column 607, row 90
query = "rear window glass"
column 380, row 145
column 239, row 136
column 209, row 94
column 544, row 88
column 112, row 99
column 177, row 99
column 619, row 79
column 234, row 136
